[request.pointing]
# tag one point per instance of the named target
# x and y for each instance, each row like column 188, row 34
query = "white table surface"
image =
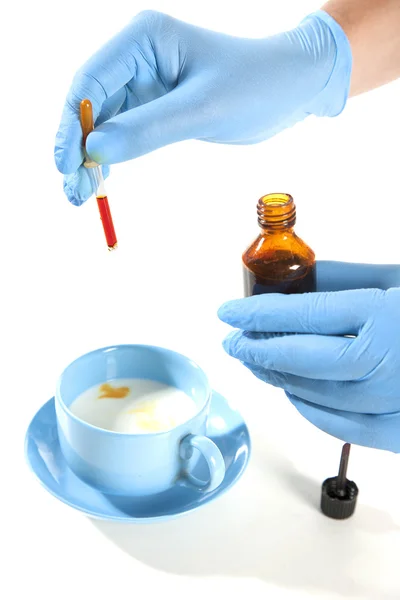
column 183, row 216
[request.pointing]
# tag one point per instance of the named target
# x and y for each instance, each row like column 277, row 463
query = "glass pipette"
column 96, row 176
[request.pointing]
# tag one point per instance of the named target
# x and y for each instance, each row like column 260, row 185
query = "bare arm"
column 373, row 30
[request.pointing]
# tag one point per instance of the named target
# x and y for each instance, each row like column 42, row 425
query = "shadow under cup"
column 136, row 464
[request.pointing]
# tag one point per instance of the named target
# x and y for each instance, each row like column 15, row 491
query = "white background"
column 183, row 216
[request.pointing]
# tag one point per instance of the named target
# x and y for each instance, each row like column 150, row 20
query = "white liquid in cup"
column 135, row 406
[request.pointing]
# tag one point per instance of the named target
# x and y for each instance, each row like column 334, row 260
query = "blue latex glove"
column 161, row 81
column 348, row 387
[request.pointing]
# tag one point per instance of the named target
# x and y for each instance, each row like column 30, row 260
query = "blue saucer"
column 225, row 427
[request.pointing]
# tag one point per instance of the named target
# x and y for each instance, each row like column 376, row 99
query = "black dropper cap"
column 338, row 494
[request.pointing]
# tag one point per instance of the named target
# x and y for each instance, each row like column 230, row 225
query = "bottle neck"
column 276, row 213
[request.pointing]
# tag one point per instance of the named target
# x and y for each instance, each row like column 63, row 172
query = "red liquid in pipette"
column 106, row 219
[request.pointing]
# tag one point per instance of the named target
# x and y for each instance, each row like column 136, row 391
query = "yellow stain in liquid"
column 107, row 391
column 147, row 420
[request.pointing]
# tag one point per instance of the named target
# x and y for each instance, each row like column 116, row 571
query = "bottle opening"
column 276, row 199
column 276, row 211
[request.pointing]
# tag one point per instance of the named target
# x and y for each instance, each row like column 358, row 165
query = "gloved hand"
column 346, row 386
column 161, row 81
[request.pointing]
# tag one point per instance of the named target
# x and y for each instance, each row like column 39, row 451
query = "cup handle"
column 213, row 457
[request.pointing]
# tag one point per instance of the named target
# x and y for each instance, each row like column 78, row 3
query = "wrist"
column 330, row 37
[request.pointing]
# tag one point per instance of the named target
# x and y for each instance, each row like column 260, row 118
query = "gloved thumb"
column 163, row 121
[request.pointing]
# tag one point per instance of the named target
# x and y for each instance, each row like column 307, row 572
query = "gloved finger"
column 68, row 151
column 332, row 394
column 69, row 144
column 338, row 395
column 330, row 313
column 78, row 187
column 109, row 70
column 163, row 121
column 111, row 106
column 335, row 276
column 373, row 431
column 313, row 356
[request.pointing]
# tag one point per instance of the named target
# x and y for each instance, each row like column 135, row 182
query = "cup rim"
column 71, row 415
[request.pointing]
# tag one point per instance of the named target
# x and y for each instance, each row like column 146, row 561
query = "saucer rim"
column 211, row 497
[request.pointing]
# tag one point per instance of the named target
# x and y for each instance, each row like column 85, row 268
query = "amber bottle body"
column 278, row 261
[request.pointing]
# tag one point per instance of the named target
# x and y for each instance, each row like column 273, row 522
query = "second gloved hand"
column 161, row 81
column 347, row 386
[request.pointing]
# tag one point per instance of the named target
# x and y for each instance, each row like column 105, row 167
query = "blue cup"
column 136, row 464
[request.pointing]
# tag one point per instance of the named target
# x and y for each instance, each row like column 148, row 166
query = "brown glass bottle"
column 278, row 261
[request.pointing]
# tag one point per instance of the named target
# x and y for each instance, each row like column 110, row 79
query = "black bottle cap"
column 338, row 494
column 338, row 506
